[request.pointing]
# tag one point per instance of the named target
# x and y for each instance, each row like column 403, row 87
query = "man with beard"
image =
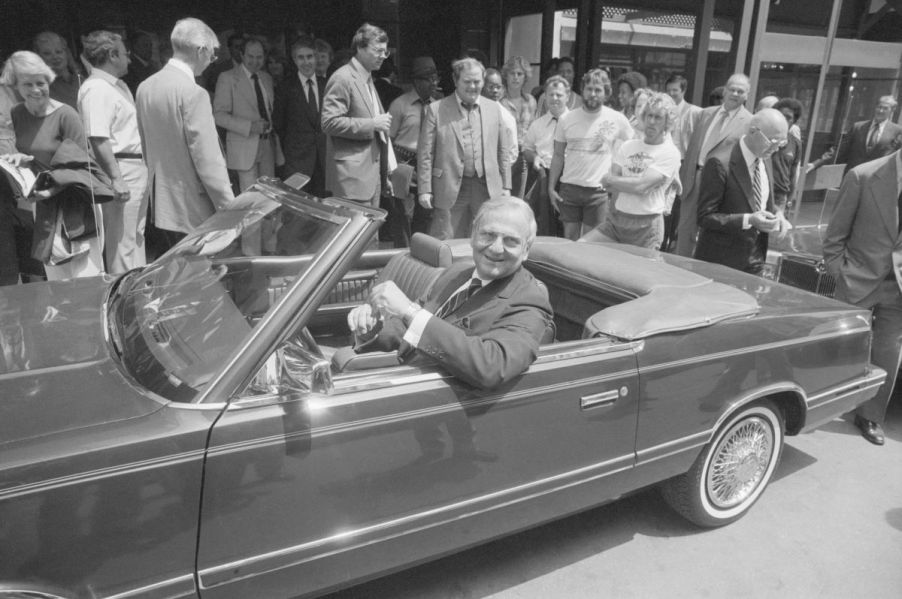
column 584, row 142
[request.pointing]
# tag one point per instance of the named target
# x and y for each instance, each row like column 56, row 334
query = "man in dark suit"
column 463, row 154
column 716, row 132
column 868, row 140
column 863, row 250
column 482, row 324
column 359, row 157
column 141, row 65
column 296, row 117
column 736, row 199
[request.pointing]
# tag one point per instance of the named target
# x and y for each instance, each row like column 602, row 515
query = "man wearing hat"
column 407, row 114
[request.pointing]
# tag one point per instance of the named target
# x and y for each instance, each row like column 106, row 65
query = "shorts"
column 642, row 230
column 584, row 205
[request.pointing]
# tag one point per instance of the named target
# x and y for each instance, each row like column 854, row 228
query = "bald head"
column 736, row 91
column 767, row 102
column 767, row 132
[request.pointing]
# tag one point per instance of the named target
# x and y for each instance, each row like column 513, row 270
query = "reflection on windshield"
column 179, row 321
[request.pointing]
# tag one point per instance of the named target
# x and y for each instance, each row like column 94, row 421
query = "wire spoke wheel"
column 740, row 462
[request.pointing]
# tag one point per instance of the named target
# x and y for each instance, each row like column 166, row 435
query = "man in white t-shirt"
column 584, row 142
column 641, row 180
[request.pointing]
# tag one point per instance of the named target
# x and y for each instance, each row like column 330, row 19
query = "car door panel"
column 403, row 463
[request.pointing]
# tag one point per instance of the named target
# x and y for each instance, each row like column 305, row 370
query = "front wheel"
column 732, row 470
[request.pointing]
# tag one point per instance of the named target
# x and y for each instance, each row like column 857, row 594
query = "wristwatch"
column 410, row 312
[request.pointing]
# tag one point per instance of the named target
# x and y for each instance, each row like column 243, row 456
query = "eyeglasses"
column 214, row 52
column 381, row 52
column 773, row 143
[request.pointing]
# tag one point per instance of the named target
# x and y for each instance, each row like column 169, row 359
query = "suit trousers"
column 886, row 347
column 455, row 222
column 264, row 164
column 124, row 222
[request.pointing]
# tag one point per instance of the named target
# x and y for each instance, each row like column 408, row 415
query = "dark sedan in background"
column 199, row 428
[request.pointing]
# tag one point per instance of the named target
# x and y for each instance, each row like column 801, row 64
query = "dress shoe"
column 870, row 430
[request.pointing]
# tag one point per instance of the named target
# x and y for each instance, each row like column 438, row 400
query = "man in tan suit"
column 187, row 177
column 464, row 156
column 242, row 106
column 717, row 131
column 358, row 155
column 863, row 250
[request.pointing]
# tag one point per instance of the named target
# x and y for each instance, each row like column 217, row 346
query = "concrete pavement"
column 829, row 525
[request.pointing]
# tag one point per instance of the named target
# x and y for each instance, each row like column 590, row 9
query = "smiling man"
column 640, row 180
column 483, row 323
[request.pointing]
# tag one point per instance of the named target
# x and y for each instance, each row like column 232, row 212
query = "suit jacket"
column 725, row 197
column 440, row 165
column 854, row 148
column 353, row 148
column 689, row 171
column 862, row 245
column 187, row 177
column 138, row 71
column 299, row 129
column 490, row 339
column 235, row 108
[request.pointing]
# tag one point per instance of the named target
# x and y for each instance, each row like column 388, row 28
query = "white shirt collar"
column 101, row 74
column 182, row 66
column 747, row 154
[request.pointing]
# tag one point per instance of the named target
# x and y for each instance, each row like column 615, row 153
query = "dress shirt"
column 266, row 101
column 183, row 67
column 750, row 158
column 419, row 320
column 305, row 88
column 540, row 136
column 108, row 110
column 406, row 116
column 472, row 158
column 721, row 119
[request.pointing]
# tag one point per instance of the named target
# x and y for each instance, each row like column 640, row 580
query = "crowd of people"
column 131, row 159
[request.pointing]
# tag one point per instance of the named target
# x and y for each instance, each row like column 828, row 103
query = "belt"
column 699, row 167
column 128, row 156
column 406, row 156
column 264, row 136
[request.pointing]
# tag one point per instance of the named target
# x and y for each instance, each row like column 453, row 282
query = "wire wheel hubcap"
column 740, row 462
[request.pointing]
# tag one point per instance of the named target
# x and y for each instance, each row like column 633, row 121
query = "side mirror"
column 297, row 367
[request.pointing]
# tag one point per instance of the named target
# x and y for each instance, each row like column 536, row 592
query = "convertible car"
column 200, row 427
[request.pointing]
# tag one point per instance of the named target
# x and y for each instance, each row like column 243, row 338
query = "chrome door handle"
column 597, row 400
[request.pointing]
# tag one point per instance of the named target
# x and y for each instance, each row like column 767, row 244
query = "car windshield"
column 177, row 322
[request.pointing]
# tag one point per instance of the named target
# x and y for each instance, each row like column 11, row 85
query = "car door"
column 395, row 465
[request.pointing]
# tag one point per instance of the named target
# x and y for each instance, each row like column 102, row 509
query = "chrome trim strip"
column 35, row 372
column 748, row 350
column 670, row 448
column 447, row 511
column 99, row 474
column 157, row 586
column 867, row 381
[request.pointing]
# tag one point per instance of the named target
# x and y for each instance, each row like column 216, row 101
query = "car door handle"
column 597, row 400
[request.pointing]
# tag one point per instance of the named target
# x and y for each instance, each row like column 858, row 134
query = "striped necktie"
column 756, row 183
column 459, row 298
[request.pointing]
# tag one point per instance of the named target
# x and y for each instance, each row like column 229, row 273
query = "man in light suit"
column 717, row 131
column 736, row 200
column 296, row 117
column 359, row 157
column 863, row 250
column 242, row 106
column 868, row 140
column 483, row 325
column 464, row 156
column 187, row 177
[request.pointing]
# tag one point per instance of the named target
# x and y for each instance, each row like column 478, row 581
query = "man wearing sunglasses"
column 736, row 210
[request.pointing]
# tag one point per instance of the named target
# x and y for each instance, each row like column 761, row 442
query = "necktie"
column 261, row 102
column 311, row 97
column 756, row 184
column 872, row 136
column 459, row 298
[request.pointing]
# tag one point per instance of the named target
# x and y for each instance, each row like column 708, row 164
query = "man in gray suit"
column 187, row 178
column 358, row 155
column 863, row 250
column 464, row 156
column 870, row 139
column 717, row 131
column 243, row 106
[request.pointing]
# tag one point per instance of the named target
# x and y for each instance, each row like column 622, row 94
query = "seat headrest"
column 430, row 250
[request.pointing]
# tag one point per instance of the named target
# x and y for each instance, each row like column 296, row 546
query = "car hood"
column 56, row 372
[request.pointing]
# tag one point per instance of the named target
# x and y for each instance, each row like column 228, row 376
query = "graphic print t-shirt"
column 591, row 139
column 635, row 157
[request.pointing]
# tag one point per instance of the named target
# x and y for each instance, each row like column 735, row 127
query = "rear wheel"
column 733, row 469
